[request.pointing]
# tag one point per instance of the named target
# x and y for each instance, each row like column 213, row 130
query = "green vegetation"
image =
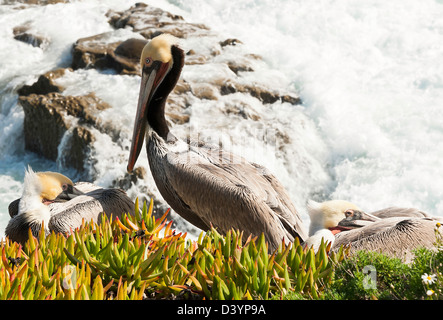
column 141, row 257
column 420, row 279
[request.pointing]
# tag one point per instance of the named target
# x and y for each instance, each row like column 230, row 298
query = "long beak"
column 151, row 79
column 70, row 193
column 358, row 220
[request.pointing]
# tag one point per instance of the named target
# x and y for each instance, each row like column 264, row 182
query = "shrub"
column 393, row 278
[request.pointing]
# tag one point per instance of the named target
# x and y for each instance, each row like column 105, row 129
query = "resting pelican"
column 51, row 198
column 392, row 231
column 205, row 185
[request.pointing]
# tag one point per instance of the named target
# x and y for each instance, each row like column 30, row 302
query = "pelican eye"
column 65, row 187
column 349, row 213
column 148, row 61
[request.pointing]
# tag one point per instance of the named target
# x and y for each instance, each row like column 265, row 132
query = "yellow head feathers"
column 158, row 49
column 52, row 184
column 329, row 213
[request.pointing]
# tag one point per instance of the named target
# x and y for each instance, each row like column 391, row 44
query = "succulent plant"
column 139, row 256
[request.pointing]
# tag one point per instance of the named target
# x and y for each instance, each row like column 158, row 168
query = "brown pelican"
column 204, row 184
column 392, row 231
column 52, row 198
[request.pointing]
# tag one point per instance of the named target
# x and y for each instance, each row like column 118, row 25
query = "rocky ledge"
column 54, row 120
column 68, row 118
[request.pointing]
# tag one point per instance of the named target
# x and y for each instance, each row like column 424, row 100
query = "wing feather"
column 69, row 215
column 227, row 191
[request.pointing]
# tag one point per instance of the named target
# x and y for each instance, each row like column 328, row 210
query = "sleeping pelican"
column 52, row 199
column 204, row 184
column 392, row 231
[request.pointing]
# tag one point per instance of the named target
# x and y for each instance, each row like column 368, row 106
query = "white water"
column 370, row 129
column 370, row 76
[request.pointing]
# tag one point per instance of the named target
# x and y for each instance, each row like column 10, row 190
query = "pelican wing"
column 69, row 215
column 228, row 192
column 400, row 212
column 396, row 237
column 347, row 237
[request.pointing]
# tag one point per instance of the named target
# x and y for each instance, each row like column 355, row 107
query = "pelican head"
column 39, row 190
column 157, row 61
column 49, row 186
column 337, row 215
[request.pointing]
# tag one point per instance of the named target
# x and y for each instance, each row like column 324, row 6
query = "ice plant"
column 140, row 256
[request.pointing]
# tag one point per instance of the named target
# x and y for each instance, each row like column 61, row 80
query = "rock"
column 44, row 125
column 92, row 52
column 182, row 30
column 216, row 67
column 230, row 42
column 176, row 111
column 49, row 117
column 242, row 110
column 126, row 57
column 141, row 16
column 194, row 58
column 45, row 84
column 22, row 33
column 97, row 52
column 139, row 173
column 150, row 22
column 205, row 91
column 32, row 39
column 181, row 87
column 258, row 91
column 176, row 115
column 240, row 66
column 79, row 146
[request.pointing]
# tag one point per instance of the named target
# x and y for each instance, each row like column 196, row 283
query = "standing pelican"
column 51, row 198
column 206, row 186
column 392, row 231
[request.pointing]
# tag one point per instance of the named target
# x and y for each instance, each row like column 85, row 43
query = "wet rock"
column 182, row 87
column 175, row 112
column 230, row 42
column 216, row 67
column 22, row 33
column 125, row 58
column 49, row 117
column 194, row 58
column 205, row 91
column 97, row 52
column 260, row 92
column 79, row 148
column 32, row 39
column 242, row 110
column 182, row 30
column 44, row 125
column 140, row 16
column 151, row 21
column 130, row 178
column 45, row 84
column 178, row 103
column 240, row 66
column 92, row 52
